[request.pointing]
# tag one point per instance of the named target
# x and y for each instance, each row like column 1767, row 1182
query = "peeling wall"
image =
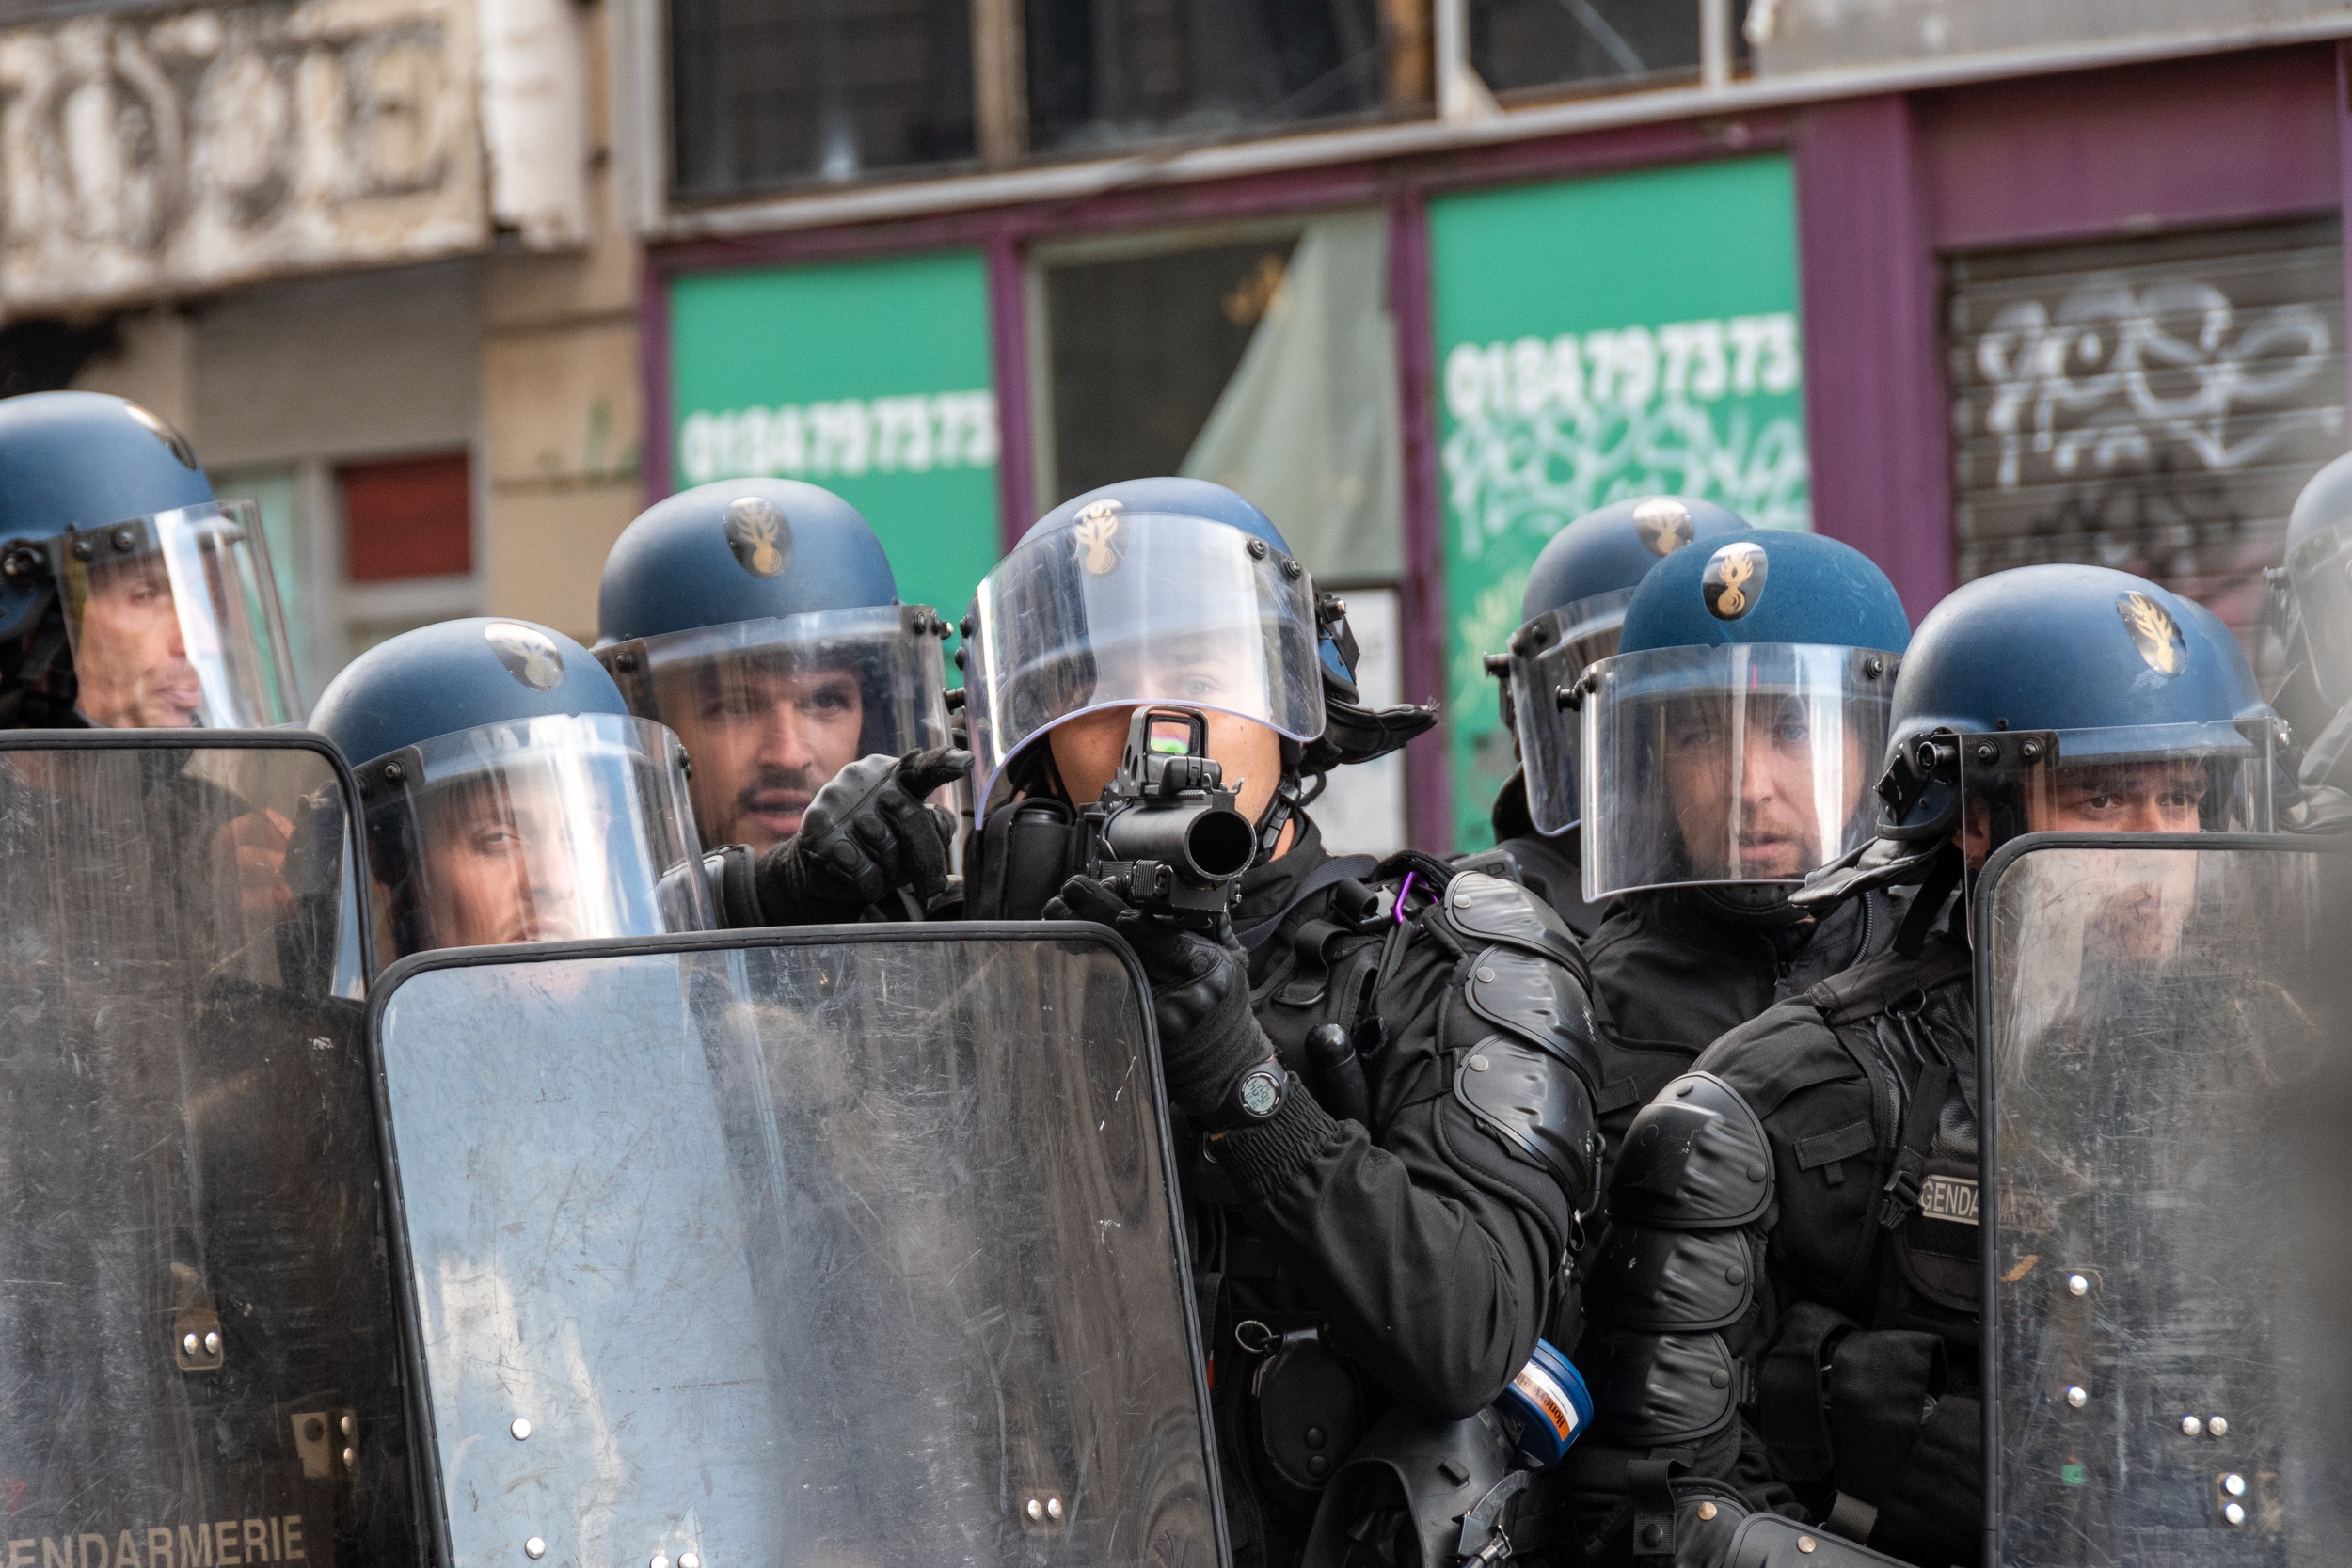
column 148, row 156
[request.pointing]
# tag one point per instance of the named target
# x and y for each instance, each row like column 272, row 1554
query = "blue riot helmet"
column 130, row 597
column 508, row 793
column 2085, row 699
column 1172, row 591
column 759, row 620
column 1733, row 735
column 1577, row 595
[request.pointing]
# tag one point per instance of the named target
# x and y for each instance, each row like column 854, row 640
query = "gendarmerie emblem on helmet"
column 758, row 534
column 1096, row 538
column 1734, row 579
column 2153, row 633
column 530, row 655
column 1664, row 524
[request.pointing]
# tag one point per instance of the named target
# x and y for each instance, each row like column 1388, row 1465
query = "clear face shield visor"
column 1548, row 656
column 770, row 710
column 2116, row 906
column 2320, row 571
column 555, row 829
column 1116, row 610
column 1746, row 764
column 174, row 622
column 2219, row 777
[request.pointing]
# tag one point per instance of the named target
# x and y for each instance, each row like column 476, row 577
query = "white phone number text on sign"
column 848, row 438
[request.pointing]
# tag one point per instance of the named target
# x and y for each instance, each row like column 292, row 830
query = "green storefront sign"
column 1631, row 334
column 870, row 378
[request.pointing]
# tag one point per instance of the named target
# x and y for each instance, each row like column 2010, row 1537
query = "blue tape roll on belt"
column 1546, row 1408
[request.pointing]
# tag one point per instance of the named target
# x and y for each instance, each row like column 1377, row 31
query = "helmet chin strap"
column 1289, row 795
column 1278, row 814
column 1762, row 904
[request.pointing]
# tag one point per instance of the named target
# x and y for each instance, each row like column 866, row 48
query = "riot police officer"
column 2310, row 608
column 509, row 794
column 1575, row 603
column 758, row 620
column 130, row 597
column 1787, row 1299
column 1382, row 1082
column 1726, row 750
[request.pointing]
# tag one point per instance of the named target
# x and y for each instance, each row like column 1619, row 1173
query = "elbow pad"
column 1687, row 1206
column 1527, row 1082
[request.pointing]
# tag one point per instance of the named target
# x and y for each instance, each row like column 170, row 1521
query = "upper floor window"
column 769, row 94
column 1543, row 47
column 766, row 93
column 1106, row 72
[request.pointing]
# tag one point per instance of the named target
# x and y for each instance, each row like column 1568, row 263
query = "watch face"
column 1260, row 1093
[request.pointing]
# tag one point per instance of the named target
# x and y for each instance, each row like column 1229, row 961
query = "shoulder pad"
column 1695, row 1159
column 1537, row 1105
column 1667, row 1281
column 1780, row 1052
column 1656, row 1388
column 1536, row 998
column 1488, row 909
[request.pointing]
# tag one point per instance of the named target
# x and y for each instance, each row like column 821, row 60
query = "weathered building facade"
column 456, row 285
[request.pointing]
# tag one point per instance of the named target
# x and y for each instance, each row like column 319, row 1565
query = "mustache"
column 1774, row 824
column 768, row 776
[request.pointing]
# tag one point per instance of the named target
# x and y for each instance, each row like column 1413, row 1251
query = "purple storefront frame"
column 1888, row 186
column 1885, row 186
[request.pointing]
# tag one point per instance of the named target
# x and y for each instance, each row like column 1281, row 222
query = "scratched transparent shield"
column 2163, row 1052
column 854, row 1248
column 202, row 1362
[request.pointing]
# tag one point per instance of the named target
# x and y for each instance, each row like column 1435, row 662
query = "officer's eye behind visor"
column 174, row 620
column 1128, row 609
column 770, row 710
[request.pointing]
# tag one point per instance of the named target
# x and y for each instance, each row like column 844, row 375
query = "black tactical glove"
column 866, row 833
column 1200, row 1000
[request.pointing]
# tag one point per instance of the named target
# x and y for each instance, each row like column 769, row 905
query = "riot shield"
column 201, row 1351
column 849, row 1247
column 2162, row 1051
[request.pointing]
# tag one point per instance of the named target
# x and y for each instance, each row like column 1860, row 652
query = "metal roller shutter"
column 2152, row 404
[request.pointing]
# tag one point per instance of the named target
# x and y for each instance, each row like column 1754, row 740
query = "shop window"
column 2152, row 404
column 1143, row 345
column 1528, row 45
column 1106, row 72
column 774, row 92
column 1263, row 359
column 410, row 517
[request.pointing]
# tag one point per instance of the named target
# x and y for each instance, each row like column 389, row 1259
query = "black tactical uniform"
column 1383, row 1089
column 1786, row 1300
column 1400, row 1232
column 1675, row 970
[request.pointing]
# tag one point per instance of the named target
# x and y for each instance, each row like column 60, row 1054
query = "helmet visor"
column 2214, row 777
column 2321, row 572
column 1546, row 656
column 770, row 710
column 1120, row 609
column 540, row 830
column 174, row 622
column 1748, row 764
